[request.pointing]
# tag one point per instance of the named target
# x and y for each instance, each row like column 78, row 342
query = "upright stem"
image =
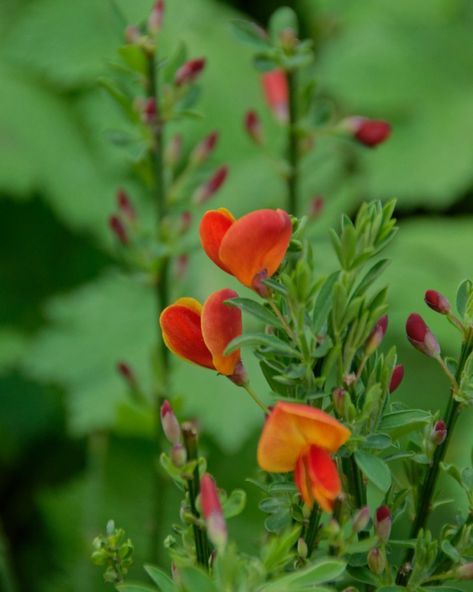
column 292, row 146
column 424, row 504
column 162, row 298
column 312, row 529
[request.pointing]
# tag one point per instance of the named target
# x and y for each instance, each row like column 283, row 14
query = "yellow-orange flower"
column 300, row 438
column 250, row 248
column 200, row 334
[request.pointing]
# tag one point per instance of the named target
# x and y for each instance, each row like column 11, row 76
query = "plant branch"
column 312, row 529
column 292, row 146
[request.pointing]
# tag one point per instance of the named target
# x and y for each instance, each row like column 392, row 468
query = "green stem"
column 255, row 398
column 424, row 504
column 312, row 529
column 292, row 146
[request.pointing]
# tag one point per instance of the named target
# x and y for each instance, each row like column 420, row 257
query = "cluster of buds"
column 124, row 220
column 114, row 552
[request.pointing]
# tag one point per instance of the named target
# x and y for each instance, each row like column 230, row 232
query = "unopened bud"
column 302, row 549
column 118, row 229
column 465, row 571
column 155, row 19
column 203, row 150
column 421, row 337
column 178, row 455
column 253, row 127
column 376, row 561
column 276, row 93
column 212, row 511
column 189, row 71
column 150, row 110
column 208, row 189
column 171, row 427
column 173, row 150
column 396, row 377
column 132, row 34
column 437, row 302
column 124, row 205
column 377, row 335
column 339, row 399
column 239, row 376
column 383, row 523
column 316, row 207
column 439, row 433
column 361, row 519
column 332, row 528
column 369, row 132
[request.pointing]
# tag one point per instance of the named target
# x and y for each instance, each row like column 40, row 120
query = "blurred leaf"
column 163, row 581
column 375, row 470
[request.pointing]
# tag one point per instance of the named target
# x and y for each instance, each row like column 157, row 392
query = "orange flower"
column 299, row 438
column 251, row 248
column 276, row 93
column 200, row 334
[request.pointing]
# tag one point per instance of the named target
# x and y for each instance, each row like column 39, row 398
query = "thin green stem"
column 292, row 146
column 255, row 397
column 282, row 320
column 312, row 529
column 424, row 504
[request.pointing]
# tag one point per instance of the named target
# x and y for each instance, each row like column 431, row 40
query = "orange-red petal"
column 291, row 429
column 317, row 479
column 220, row 324
column 255, row 243
column 181, row 327
column 213, row 227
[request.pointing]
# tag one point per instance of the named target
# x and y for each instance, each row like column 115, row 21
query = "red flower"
column 276, row 93
column 155, row 19
column 204, row 148
column 251, row 248
column 421, row 337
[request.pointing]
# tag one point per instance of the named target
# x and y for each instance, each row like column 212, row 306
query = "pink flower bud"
column 437, row 302
column 421, row 337
column 124, row 205
column 376, row 561
column 170, row 425
column 203, row 150
column 150, row 110
column 178, row 455
column 361, row 519
column 396, row 377
column 173, row 150
column 132, row 34
column 118, row 229
column 155, row 19
column 208, row 189
column 383, row 523
column 377, row 335
column 253, row 127
column 276, row 93
column 369, row 132
column 465, row 571
column 339, row 400
column 189, row 71
column 316, row 207
column 439, row 433
column 212, row 511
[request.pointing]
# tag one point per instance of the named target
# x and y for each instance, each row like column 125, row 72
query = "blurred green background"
column 74, row 452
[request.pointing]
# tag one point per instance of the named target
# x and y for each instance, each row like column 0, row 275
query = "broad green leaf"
column 375, row 470
column 195, row 579
column 163, row 581
column 402, row 422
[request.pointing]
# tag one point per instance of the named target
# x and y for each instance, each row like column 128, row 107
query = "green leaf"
column 130, row 587
column 375, row 469
column 325, row 570
column 323, row 304
column 450, row 551
column 283, row 18
column 256, row 310
column 270, row 342
column 194, row 579
column 370, row 277
column 403, row 422
column 234, row 504
column 162, row 580
column 250, row 33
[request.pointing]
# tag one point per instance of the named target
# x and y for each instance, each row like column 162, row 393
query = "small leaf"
column 323, row 303
column 375, row 469
column 283, row 18
column 130, row 587
column 270, row 342
column 256, row 310
column 463, row 293
column 378, row 441
column 450, row 551
column 194, row 579
column 234, row 504
column 163, row 581
column 250, row 33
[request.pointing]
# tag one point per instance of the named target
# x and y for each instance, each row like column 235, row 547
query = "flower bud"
column 185, row 222
column 437, row 302
column 253, row 127
column 421, row 337
column 173, row 150
column 316, row 207
column 178, row 455
column 202, row 151
column 361, row 519
column 132, row 34
column 376, row 561
column 150, row 110
column 396, row 377
column 369, row 132
column 383, row 523
column 302, row 549
column 182, row 265
column 377, row 335
column 212, row 511
column 339, row 400
column 465, row 571
column 118, row 229
column 171, row 427
column 439, row 432
column 189, row 71
column 124, row 205
column 239, row 376
column 288, row 39
column 126, row 373
column 155, row 19
column 208, row 189
column 276, row 93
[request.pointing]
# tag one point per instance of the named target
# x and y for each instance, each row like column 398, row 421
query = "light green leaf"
column 375, row 470
column 270, row 342
column 163, row 581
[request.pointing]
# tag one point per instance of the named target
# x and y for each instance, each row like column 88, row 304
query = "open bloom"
column 300, row 438
column 250, row 248
column 200, row 334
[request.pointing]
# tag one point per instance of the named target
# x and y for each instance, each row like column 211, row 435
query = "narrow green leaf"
column 250, row 33
column 130, row 587
column 402, row 422
column 462, row 296
column 375, row 470
column 194, row 580
column 256, row 310
column 323, row 303
column 163, row 581
column 272, row 343
column 370, row 277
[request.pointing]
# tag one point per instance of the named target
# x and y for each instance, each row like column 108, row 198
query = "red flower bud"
column 361, row 519
column 276, row 93
column 421, row 337
column 376, row 561
column 203, row 150
column 150, row 110
column 316, row 207
column 437, row 302
column 439, row 433
column 124, row 205
column 208, row 189
column 396, row 377
column 118, row 229
column 212, row 511
column 155, row 19
column 377, row 335
column 465, row 571
column 253, row 127
column 170, row 425
column 369, row 132
column 189, row 71
column 383, row 523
